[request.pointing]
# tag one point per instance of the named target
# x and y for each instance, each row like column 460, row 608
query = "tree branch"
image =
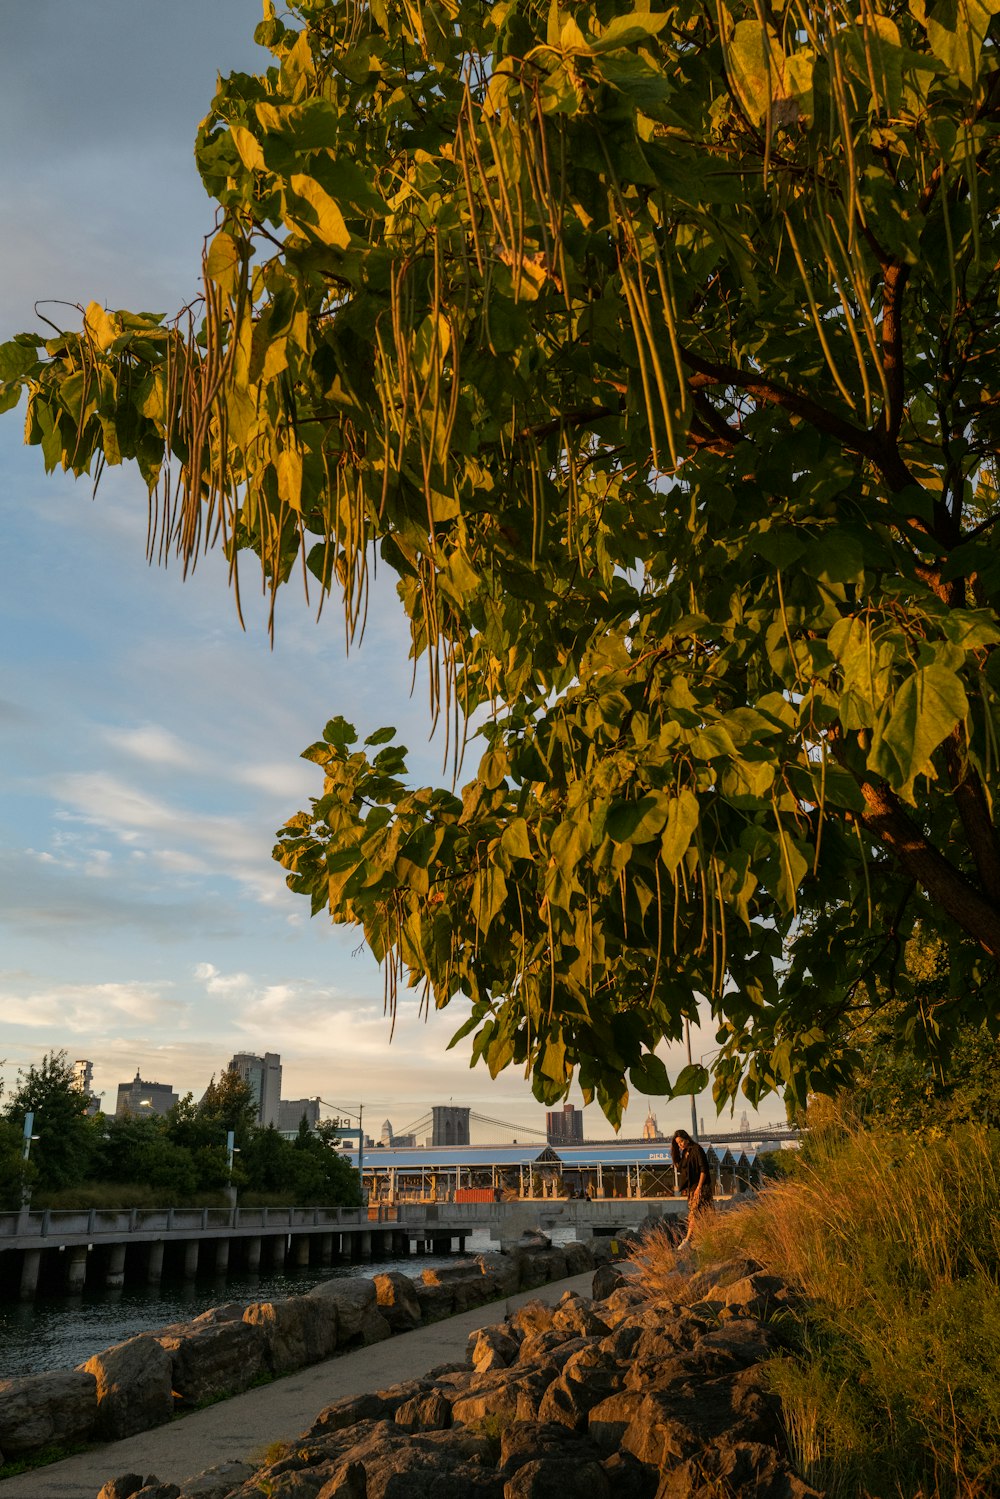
column 956, row 895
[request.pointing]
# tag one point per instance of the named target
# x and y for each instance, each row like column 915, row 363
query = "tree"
column 925, row 1075
column 656, row 353
column 66, row 1137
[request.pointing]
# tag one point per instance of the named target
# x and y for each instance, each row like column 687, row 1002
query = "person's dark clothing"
column 692, row 1165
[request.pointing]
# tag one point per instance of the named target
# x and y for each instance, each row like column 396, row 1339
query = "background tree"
column 656, row 352
column 925, row 1073
column 63, row 1153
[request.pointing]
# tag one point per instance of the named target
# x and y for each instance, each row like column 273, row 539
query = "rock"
column 607, row 1278
column 297, row 1331
column 581, row 1385
column 608, row 1421
column 358, row 1317
column 578, row 1316
column 536, row 1268
column 503, row 1270
column 630, row 1479
column 436, row 1302
column 39, row 1409
column 232, row 1311
column 122, row 1487
column 579, row 1258
column 216, row 1482
column 522, row 1441
column 429, row 1411
column 154, row 1489
column 622, row 1303
column 397, row 1301
column 745, row 1342
column 214, row 1360
column 491, row 1348
column 349, row 1411
column 504, row 1395
column 539, row 1345
column 430, row 1465
column 713, row 1278
column 756, row 1295
column 134, row 1387
column 734, row 1468
column 554, row 1477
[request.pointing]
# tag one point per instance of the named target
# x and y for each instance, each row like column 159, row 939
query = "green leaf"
column 649, row 1075
column 637, row 821
column 626, row 30
column 691, row 1079
column 312, row 209
column 223, row 262
column 917, row 720
column 380, row 736
column 682, row 820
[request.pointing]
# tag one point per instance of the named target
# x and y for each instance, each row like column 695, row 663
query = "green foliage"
column 894, row 1389
column 64, row 1151
column 927, row 1074
column 656, row 353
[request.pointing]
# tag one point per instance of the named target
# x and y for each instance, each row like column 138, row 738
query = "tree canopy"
column 654, row 351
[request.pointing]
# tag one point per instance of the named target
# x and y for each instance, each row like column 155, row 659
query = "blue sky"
column 149, row 747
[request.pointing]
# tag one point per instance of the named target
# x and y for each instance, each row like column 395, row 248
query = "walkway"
column 244, row 1425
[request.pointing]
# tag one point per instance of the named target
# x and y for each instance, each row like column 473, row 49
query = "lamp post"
column 29, row 1124
column 694, row 1110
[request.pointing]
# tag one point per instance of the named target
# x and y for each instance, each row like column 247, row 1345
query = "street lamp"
column 29, row 1124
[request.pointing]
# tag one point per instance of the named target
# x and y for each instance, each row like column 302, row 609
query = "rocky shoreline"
column 144, row 1381
column 620, row 1394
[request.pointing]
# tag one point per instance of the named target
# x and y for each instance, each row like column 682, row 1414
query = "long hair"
column 675, row 1153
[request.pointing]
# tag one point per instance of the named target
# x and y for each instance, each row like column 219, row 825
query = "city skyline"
column 150, row 746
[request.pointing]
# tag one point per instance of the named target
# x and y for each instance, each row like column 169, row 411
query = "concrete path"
column 241, row 1427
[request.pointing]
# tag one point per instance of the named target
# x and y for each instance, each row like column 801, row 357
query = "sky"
column 149, row 747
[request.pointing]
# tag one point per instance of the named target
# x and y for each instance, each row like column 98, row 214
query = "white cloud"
column 92, row 1009
column 154, row 745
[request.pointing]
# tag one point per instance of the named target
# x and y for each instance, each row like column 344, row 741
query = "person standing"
column 695, row 1176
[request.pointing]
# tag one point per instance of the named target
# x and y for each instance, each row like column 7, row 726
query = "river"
column 58, row 1332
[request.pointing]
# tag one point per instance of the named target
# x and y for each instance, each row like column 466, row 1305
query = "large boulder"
column 216, row 1482
column 134, row 1383
column 39, row 1409
column 214, row 1360
column 358, row 1317
column 298, row 1331
column 579, row 1258
column 491, row 1348
column 503, row 1271
column 389, row 1464
column 555, row 1477
column 397, row 1301
column 577, row 1316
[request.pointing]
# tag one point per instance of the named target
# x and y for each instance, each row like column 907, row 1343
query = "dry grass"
column 894, row 1389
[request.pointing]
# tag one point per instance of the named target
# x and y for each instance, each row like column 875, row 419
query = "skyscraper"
column 565, row 1126
column 264, row 1076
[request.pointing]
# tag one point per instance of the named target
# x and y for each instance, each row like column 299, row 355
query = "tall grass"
column 894, row 1388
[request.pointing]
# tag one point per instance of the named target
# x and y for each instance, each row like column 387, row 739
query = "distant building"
column 292, row 1110
column 264, row 1076
column 139, row 1098
column 564, row 1126
column 83, row 1078
column 391, row 1140
column 449, row 1126
column 651, row 1129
